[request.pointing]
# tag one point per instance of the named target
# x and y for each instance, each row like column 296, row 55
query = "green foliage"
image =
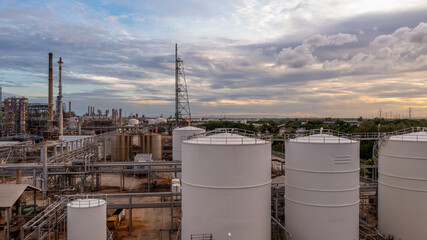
column 227, row 124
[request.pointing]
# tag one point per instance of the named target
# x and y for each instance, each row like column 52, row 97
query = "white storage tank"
column 402, row 186
column 322, row 188
column 226, row 187
column 180, row 134
column 133, row 122
column 87, row 219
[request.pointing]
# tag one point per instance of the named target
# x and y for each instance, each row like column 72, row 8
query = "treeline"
column 292, row 125
column 227, row 124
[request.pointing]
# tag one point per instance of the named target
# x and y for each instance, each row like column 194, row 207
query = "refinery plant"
column 104, row 175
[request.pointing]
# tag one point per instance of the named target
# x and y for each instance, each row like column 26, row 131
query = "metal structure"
column 15, row 119
column 50, row 97
column 60, row 110
column 182, row 102
column 322, row 187
column 402, row 185
column 226, row 188
column 53, row 219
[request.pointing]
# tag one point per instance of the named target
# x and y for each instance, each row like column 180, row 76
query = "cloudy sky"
column 242, row 58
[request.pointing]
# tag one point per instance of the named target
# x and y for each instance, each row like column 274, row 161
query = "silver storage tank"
column 87, row 219
column 402, row 186
column 226, row 187
column 322, row 188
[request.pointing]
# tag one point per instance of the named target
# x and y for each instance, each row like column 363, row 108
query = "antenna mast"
column 182, row 102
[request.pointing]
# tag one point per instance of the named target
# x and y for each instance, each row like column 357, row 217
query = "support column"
column 130, row 213
column 8, row 223
column 34, row 178
column 105, row 150
column 149, row 178
column 172, row 227
column 43, row 154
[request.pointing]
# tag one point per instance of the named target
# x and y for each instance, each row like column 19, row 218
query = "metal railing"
column 201, row 237
column 228, row 136
column 405, row 134
column 320, row 136
column 397, row 135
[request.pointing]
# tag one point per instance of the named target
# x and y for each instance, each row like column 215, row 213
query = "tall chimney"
column 61, row 116
column 69, row 109
column 120, row 117
column 50, row 87
column 88, row 110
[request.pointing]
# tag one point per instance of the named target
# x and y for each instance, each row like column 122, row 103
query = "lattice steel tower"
column 182, row 102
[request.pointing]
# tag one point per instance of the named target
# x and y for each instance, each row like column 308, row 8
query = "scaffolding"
column 15, row 116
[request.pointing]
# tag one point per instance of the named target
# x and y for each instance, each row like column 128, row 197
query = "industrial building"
column 110, row 176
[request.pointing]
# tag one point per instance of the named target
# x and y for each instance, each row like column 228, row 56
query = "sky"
column 312, row 58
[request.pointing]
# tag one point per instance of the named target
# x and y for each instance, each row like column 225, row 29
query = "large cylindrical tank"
column 402, row 186
column 180, row 134
column 72, row 125
column 226, row 187
column 152, row 143
column 133, row 122
column 121, row 147
column 87, row 219
column 322, row 188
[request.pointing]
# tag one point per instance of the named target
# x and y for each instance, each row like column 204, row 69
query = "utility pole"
column 61, row 116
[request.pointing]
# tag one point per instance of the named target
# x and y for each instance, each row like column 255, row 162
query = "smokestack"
column 50, row 87
column 69, row 109
column 120, row 117
column 61, row 116
column 88, row 110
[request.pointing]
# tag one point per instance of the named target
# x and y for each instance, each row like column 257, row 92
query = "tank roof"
column 413, row 136
column 188, row 128
column 322, row 138
column 225, row 139
column 86, row 203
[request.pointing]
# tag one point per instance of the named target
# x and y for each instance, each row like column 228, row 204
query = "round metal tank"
column 121, row 147
column 133, row 122
column 402, row 186
column 226, row 187
column 87, row 219
column 72, row 125
column 322, row 188
column 152, row 143
column 180, row 134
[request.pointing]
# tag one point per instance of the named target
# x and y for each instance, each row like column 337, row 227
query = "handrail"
column 246, row 137
column 361, row 136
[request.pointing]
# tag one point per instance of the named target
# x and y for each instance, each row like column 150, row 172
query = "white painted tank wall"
column 87, row 219
column 402, row 187
column 322, row 188
column 178, row 135
column 226, row 188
